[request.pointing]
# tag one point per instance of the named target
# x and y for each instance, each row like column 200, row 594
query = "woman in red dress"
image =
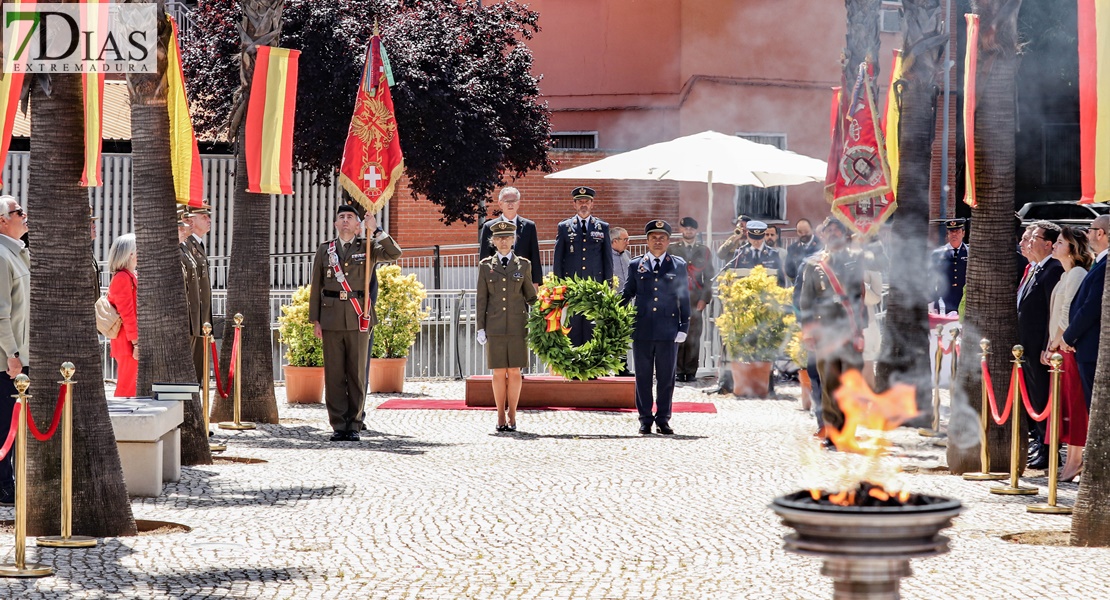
column 1072, row 251
column 123, row 293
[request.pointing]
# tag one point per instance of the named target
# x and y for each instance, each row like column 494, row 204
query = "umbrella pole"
column 709, row 219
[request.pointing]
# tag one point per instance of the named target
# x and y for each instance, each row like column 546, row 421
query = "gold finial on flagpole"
column 375, row 26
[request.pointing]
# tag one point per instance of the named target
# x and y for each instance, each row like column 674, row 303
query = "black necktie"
column 504, row 261
column 655, row 265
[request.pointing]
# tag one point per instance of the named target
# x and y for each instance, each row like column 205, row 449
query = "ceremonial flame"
column 864, row 408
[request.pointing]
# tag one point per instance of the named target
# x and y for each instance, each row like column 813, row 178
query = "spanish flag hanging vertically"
column 891, row 124
column 970, row 59
column 372, row 161
column 269, row 130
column 95, row 18
column 188, row 177
column 10, row 86
column 1094, row 100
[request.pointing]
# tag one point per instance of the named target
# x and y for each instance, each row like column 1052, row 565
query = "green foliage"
column 468, row 107
column 304, row 349
column 605, row 352
column 755, row 315
column 400, row 312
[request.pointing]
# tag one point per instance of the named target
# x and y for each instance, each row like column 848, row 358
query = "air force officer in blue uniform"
column 583, row 248
column 657, row 281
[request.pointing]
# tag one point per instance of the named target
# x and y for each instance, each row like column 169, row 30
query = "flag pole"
column 709, row 220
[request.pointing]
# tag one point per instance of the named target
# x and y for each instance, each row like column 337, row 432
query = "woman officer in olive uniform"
column 504, row 292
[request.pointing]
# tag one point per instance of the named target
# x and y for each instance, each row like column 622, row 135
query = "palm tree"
column 863, row 36
column 990, row 310
column 1090, row 523
column 63, row 327
column 248, row 286
column 905, row 351
column 164, row 352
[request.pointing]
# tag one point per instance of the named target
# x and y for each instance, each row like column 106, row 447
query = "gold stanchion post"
column 984, row 473
column 67, row 540
column 1015, row 488
column 237, row 424
column 204, row 397
column 938, row 357
column 1050, row 507
column 21, row 568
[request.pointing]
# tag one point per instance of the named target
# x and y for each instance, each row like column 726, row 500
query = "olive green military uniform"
column 838, row 320
column 504, row 293
column 699, row 275
column 345, row 347
column 201, row 312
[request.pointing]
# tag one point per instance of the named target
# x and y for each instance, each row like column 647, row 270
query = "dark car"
column 1061, row 213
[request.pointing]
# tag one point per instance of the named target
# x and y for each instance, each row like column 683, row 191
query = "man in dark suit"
column 527, row 241
column 658, row 282
column 1033, row 304
column 583, row 248
column 1085, row 315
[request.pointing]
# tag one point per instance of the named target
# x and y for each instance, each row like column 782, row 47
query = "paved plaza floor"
column 434, row 504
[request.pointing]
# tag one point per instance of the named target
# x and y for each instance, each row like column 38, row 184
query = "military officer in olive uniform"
column 332, row 308
column 583, row 248
column 699, row 277
column 200, row 222
column 950, row 267
column 191, row 278
column 832, row 313
column 504, row 292
column 657, row 281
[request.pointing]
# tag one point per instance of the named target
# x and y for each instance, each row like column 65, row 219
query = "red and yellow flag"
column 372, row 161
column 891, row 123
column 10, row 86
column 269, row 131
column 861, row 168
column 92, row 95
column 970, row 58
column 188, row 177
column 1094, row 100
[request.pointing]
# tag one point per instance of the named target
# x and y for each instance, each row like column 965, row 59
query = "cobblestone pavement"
column 434, row 504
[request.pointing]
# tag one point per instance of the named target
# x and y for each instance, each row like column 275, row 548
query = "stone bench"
column 553, row 390
column 148, row 436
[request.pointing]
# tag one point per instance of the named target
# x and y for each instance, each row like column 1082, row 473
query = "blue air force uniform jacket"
column 950, row 273
column 585, row 252
column 662, row 298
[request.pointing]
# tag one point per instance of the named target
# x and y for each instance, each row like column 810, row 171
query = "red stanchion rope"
column 224, row 393
column 953, row 346
column 1029, row 407
column 11, row 432
column 998, row 420
column 42, row 437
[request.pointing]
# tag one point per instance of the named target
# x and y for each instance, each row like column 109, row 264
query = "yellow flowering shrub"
column 795, row 348
column 400, row 312
column 756, row 315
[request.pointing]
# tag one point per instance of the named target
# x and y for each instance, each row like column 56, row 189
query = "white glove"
column 681, row 337
column 482, row 337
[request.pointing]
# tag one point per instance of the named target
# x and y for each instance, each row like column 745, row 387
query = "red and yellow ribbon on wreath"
column 553, row 302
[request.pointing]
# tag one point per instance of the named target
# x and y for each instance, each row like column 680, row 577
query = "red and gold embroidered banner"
column 861, row 166
column 372, row 160
column 970, row 58
column 188, row 177
column 269, row 129
column 1094, row 100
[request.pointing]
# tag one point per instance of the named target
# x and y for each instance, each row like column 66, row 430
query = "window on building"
column 890, row 19
column 574, row 140
column 762, row 203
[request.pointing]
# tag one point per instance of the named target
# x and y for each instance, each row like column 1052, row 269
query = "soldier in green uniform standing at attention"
column 200, row 222
column 699, row 277
column 504, row 292
column 336, row 303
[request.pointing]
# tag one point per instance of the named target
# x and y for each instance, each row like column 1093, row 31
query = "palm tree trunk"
column 1090, row 523
column 991, row 290
column 862, row 37
column 248, row 286
column 905, row 351
column 63, row 327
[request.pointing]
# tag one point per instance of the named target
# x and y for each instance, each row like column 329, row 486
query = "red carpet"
column 423, row 404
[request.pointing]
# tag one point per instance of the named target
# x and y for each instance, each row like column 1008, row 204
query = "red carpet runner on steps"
column 426, row 404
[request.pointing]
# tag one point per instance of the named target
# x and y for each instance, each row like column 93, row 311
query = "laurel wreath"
column 559, row 299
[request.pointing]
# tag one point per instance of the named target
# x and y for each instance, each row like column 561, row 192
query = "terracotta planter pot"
column 751, row 379
column 387, row 375
column 803, row 380
column 304, row 385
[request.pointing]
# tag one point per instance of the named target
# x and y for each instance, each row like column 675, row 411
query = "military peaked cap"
column 657, row 225
column 756, row 229
column 954, row 224
column 503, row 229
column 583, row 192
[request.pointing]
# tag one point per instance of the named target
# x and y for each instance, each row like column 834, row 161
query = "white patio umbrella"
column 710, row 157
